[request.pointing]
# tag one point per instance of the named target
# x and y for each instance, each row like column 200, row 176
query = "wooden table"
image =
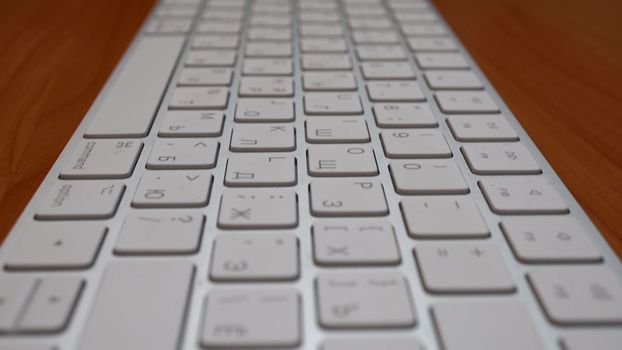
column 559, row 68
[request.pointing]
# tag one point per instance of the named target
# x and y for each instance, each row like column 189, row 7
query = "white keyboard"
column 304, row 174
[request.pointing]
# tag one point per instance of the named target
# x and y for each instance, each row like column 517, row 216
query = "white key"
column 370, row 23
column 453, row 80
column 347, row 197
column 341, row 160
column 267, row 66
column 319, row 17
column 375, row 37
column 366, row 11
column 443, row 217
column 265, row 208
column 308, row 29
column 192, row 124
column 329, row 81
column 168, row 26
column 395, row 91
column 128, row 288
column 269, row 33
column 380, row 52
column 15, row 292
column 427, row 176
column 216, row 27
column 437, row 44
column 187, row 153
column 353, row 242
column 481, row 128
column 260, row 169
column 463, row 268
column 424, row 29
column 441, row 61
column 387, row 70
column 326, row 62
column 323, row 45
column 173, row 189
column 55, row 245
column 147, row 232
column 404, row 115
column 214, row 41
column 326, row 103
column 416, row 16
column 210, row 58
column 205, row 76
column 51, row 305
column 579, row 296
column 486, row 325
column 500, row 159
column 393, row 343
column 364, row 300
column 264, row 110
column 199, row 98
column 604, row 339
column 336, row 130
column 102, row 159
column 263, row 138
column 236, row 318
column 549, row 239
column 522, row 195
column 414, row 143
column 222, row 12
column 172, row 11
column 270, row 21
column 93, row 199
column 251, row 257
column 465, row 102
column 268, row 49
column 266, row 87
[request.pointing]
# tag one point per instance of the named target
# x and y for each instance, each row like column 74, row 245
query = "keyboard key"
column 263, row 138
column 347, row 197
column 309, row 29
column 14, row 294
column 393, row 343
column 341, row 160
column 214, row 41
column 187, row 153
column 192, row 124
column 173, row 189
column 336, row 130
column 329, row 81
column 268, row 49
column 266, row 87
column 453, row 80
column 380, row 52
column 374, row 37
column 467, row 128
column 500, row 159
column 160, row 232
column 51, row 305
column 252, row 257
column 394, row 91
column 256, row 208
column 592, row 339
column 478, row 325
column 414, row 143
column 463, row 268
column 436, row 44
column 264, row 110
column 522, row 195
column 579, row 296
column 205, row 77
column 270, row 21
column 423, row 29
column 267, row 66
column 549, row 239
column 210, row 58
column 354, row 242
column 102, row 159
column 416, row 16
column 217, row 27
column 404, row 115
column 466, row 102
column 326, row 62
column 236, row 318
column 370, row 23
column 268, row 34
column 443, row 217
column 387, row 70
column 199, row 98
column 326, row 103
column 323, row 45
column 55, row 245
column 427, row 176
column 261, row 170
column 167, row 26
column 441, row 61
column 364, row 300
column 127, row 314
column 80, row 200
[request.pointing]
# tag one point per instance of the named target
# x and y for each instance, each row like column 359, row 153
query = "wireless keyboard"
column 304, row 174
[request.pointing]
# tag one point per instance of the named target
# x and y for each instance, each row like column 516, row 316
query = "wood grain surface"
column 558, row 66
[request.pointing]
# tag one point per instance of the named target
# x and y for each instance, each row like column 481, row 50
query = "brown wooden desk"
column 558, row 67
